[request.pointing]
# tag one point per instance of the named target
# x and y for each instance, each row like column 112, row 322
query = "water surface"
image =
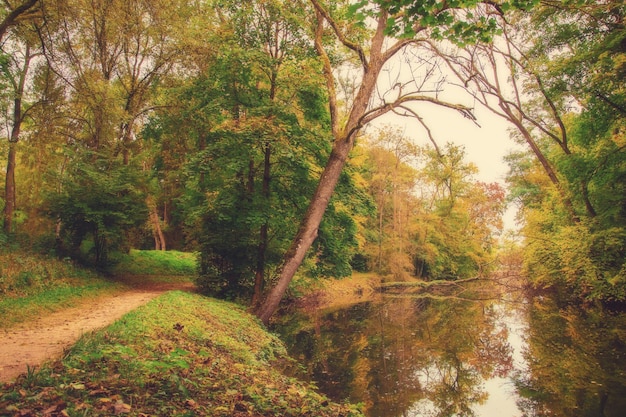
column 439, row 356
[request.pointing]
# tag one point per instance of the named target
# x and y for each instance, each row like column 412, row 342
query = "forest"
column 246, row 132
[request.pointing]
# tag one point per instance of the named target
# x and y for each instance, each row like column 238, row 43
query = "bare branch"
column 414, row 114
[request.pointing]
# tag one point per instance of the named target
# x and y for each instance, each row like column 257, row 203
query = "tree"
column 16, row 64
column 413, row 23
column 256, row 129
column 12, row 15
column 111, row 57
column 100, row 201
column 582, row 83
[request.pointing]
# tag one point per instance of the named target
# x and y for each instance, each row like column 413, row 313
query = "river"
column 424, row 355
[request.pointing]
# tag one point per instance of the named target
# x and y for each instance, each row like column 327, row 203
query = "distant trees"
column 434, row 220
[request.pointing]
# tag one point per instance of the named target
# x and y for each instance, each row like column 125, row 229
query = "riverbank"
column 359, row 287
column 180, row 354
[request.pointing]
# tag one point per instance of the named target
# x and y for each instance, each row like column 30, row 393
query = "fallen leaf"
column 191, row 403
column 121, row 408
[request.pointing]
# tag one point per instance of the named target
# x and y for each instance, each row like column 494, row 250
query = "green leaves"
column 460, row 21
column 100, row 200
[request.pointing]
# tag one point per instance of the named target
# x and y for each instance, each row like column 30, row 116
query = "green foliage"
column 582, row 257
column 256, row 129
column 460, row 21
column 101, row 200
column 181, row 354
column 586, row 263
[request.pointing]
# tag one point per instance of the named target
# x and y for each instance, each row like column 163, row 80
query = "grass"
column 181, row 354
column 150, row 262
column 33, row 285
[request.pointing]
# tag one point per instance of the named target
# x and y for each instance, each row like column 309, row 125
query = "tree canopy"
column 243, row 132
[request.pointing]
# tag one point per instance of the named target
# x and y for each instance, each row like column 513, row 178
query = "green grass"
column 67, row 293
column 151, row 262
column 181, row 354
column 32, row 285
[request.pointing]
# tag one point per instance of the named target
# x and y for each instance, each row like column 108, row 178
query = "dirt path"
column 31, row 344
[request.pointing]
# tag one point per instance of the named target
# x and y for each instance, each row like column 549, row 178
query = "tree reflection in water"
column 576, row 360
column 403, row 356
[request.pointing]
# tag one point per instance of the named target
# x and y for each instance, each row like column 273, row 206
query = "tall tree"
column 412, row 23
column 111, row 57
column 16, row 64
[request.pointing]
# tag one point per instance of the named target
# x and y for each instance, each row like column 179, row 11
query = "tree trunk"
column 308, row 228
column 343, row 143
column 9, row 204
column 259, row 276
column 547, row 167
column 155, row 223
column 10, row 193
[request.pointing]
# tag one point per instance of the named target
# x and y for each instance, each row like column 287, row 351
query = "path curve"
column 32, row 343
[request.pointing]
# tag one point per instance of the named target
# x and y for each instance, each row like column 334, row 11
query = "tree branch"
column 342, row 38
column 13, row 16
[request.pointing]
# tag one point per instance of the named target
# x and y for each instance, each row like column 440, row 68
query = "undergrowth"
column 33, row 285
column 181, row 354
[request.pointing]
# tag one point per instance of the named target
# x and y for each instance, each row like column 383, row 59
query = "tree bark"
column 307, row 232
column 10, row 193
column 259, row 276
column 9, row 204
column 155, row 223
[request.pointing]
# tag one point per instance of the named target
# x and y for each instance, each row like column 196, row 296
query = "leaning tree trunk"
column 308, row 228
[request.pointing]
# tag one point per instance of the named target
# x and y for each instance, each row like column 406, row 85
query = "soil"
column 30, row 344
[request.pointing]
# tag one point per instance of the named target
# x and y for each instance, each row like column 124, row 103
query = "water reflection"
column 576, row 362
column 403, row 356
column 448, row 357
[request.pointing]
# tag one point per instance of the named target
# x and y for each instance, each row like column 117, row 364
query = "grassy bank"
column 181, row 354
column 32, row 285
column 156, row 263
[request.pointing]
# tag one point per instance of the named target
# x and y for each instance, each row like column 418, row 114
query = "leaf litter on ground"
column 180, row 354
